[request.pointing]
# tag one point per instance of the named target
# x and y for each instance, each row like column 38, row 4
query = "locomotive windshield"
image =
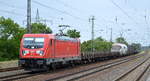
column 33, row 42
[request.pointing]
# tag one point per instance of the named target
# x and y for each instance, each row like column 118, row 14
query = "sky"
column 130, row 14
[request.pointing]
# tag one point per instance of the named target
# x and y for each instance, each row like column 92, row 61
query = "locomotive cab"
column 34, row 49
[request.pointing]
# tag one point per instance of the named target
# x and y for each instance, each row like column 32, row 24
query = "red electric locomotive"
column 38, row 51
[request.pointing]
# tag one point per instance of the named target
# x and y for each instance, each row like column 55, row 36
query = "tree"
column 121, row 40
column 99, row 45
column 40, row 28
column 10, row 35
column 99, row 39
column 73, row 33
column 86, row 46
column 136, row 46
column 9, row 29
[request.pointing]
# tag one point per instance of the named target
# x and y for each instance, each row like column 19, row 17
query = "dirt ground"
column 8, row 64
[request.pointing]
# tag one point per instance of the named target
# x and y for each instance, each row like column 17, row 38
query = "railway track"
column 71, row 76
column 84, row 73
column 139, row 75
column 10, row 69
column 19, row 76
column 15, row 76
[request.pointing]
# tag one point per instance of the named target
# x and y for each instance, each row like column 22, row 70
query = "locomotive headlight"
column 40, row 52
column 25, row 52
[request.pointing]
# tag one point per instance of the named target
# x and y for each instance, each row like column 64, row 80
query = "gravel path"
column 8, row 64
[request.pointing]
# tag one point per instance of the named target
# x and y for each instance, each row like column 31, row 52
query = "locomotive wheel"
column 85, row 62
column 72, row 64
column 53, row 66
column 46, row 68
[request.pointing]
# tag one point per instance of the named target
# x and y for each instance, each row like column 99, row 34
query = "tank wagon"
column 119, row 48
